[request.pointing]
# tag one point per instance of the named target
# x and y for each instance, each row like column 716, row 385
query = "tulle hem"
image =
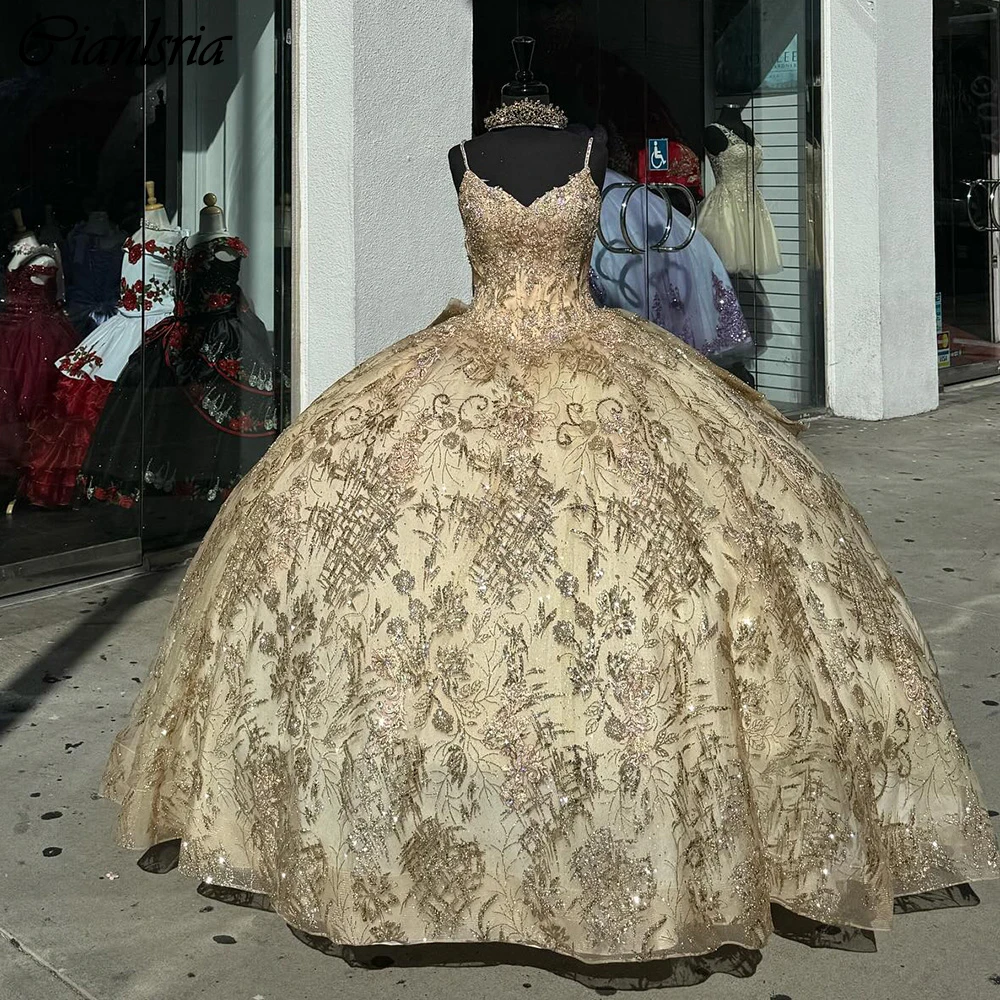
column 166, row 853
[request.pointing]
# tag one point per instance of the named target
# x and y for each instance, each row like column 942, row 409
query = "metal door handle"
column 661, row 190
column 600, row 228
column 990, row 187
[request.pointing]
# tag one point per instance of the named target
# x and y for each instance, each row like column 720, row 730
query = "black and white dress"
column 194, row 408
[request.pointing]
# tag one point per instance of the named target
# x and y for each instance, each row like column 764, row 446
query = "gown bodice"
column 737, row 166
column 147, row 274
column 25, row 295
column 532, row 260
column 206, row 283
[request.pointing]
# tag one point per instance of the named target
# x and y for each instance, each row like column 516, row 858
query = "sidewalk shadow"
column 29, row 687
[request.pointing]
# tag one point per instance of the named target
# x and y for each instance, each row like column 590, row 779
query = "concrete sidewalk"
column 89, row 923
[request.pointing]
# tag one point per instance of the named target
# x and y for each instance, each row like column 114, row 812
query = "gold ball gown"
column 537, row 627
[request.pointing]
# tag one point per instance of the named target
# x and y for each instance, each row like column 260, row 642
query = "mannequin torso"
column 716, row 139
column 24, row 248
column 527, row 160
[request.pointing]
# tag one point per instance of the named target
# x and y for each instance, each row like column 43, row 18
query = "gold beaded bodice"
column 530, row 263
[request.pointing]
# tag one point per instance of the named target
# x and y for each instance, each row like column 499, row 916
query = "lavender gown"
column 688, row 292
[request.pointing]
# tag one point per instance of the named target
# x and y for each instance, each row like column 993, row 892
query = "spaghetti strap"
column 465, row 159
column 586, row 159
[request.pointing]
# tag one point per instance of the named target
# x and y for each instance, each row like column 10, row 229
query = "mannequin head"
column 211, row 225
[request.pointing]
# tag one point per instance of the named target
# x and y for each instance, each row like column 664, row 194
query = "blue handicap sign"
column 658, row 154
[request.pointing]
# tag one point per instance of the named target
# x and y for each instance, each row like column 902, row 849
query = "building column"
column 382, row 91
column 881, row 351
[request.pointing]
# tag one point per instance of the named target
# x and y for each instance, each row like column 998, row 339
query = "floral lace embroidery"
column 136, row 250
column 144, row 295
column 77, row 359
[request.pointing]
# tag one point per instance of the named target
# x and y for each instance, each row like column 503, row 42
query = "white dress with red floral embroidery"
column 147, row 296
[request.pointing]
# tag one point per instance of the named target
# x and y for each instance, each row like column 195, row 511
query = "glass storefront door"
column 144, row 322
column 967, row 187
column 712, row 218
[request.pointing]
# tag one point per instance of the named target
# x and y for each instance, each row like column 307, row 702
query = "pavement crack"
column 16, row 942
column 954, row 607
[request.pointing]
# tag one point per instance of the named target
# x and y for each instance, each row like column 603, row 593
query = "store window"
column 713, row 107
column 144, row 323
column 966, row 182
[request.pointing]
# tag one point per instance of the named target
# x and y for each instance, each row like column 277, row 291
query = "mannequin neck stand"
column 157, row 218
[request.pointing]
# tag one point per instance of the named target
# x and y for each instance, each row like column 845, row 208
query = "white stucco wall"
column 878, row 190
column 323, row 247
column 850, row 202
column 226, row 118
column 906, row 206
column 413, row 101
column 384, row 88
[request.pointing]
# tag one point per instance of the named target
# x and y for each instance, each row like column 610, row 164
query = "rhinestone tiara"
column 526, row 112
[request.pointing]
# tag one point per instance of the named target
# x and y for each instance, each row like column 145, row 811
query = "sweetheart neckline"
column 531, row 204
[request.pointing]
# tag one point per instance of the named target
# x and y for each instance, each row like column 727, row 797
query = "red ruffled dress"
column 34, row 332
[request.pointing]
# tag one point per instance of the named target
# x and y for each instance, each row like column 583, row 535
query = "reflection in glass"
column 72, row 179
column 143, row 359
column 966, row 179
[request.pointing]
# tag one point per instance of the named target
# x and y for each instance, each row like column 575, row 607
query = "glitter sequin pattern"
column 538, row 627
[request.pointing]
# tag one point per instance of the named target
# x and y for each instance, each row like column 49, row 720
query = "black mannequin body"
column 528, row 160
column 716, row 140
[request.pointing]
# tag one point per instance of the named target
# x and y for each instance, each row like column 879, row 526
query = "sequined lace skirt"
column 583, row 652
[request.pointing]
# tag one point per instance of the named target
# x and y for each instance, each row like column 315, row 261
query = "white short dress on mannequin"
column 734, row 217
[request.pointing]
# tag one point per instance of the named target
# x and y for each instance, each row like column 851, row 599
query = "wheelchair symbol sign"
column 658, row 154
